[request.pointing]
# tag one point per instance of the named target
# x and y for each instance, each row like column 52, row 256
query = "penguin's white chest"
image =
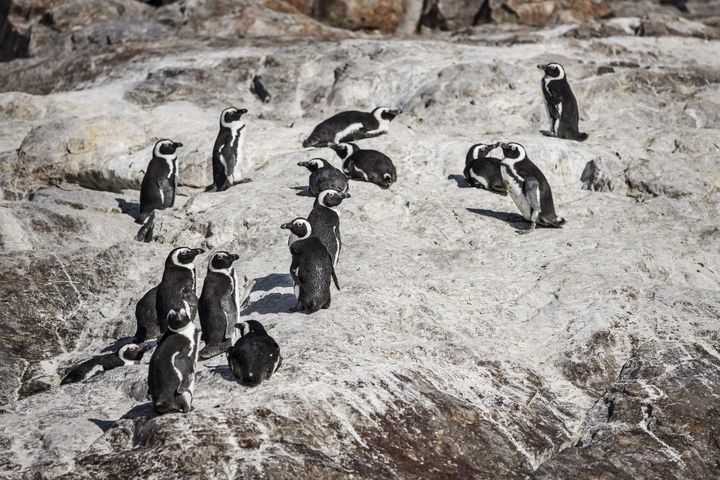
column 515, row 190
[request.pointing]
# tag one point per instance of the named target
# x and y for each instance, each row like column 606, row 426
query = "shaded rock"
column 383, row 15
column 595, row 178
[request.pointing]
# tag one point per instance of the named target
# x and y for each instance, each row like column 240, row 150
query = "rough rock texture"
column 456, row 348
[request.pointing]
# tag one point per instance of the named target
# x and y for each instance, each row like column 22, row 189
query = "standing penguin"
column 148, row 326
column 159, row 184
column 528, row 187
column 311, row 268
column 325, row 221
column 171, row 376
column 129, row 354
column 560, row 103
column 177, row 287
column 482, row 171
column 227, row 152
column 255, row 356
column 351, row 125
column 219, row 305
column 368, row 165
column 324, row 176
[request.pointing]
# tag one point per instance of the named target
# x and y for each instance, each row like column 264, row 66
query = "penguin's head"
column 166, row 148
column 249, row 326
column 231, row 117
column 482, row 149
column 221, row 261
column 552, row 70
column 385, row 113
column 331, row 198
column 183, row 257
column 132, row 352
column 513, row 151
column 178, row 319
column 344, row 150
column 314, row 164
column 300, row 227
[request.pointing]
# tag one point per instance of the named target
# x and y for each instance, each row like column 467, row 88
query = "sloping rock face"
column 456, row 347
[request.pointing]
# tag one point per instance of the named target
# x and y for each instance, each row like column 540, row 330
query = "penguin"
column 177, row 287
column 528, row 187
column 255, row 356
column 259, row 90
column 130, row 354
column 324, row 176
column 482, row 171
column 227, row 151
column 171, row 376
column 311, row 268
column 148, row 326
column 325, row 221
column 159, row 185
column 351, row 125
column 219, row 305
column 560, row 103
column 367, row 165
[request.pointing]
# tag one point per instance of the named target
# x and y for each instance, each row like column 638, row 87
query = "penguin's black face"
column 314, row 164
column 250, row 326
column 388, row 114
column 340, row 148
column 232, row 114
column 133, row 352
column 223, row 260
column 166, row 147
column 485, row 148
column 177, row 320
column 513, row 150
column 552, row 70
column 332, row 198
column 300, row 227
column 183, row 256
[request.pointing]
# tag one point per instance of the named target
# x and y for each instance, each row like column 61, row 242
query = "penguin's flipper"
column 185, row 365
column 531, row 191
column 335, row 280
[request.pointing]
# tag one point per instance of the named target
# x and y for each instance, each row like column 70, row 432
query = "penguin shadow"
column 460, row 180
column 129, row 208
column 272, row 302
column 224, row 371
column 302, row 191
column 515, row 220
column 143, row 410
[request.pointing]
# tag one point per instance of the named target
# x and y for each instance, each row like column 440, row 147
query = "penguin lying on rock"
column 366, row 165
column 255, row 356
column 351, row 125
column 323, row 176
column 130, row 354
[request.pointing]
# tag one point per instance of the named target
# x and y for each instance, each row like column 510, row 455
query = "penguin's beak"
column 345, row 195
column 395, row 113
column 302, row 164
column 234, row 256
column 177, row 144
column 286, row 226
column 542, row 66
column 197, row 251
column 242, row 111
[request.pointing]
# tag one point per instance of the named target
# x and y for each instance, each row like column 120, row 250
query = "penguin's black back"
column 324, row 133
column 378, row 167
column 156, row 179
column 163, row 382
column 569, row 117
column 314, row 267
column 176, row 288
column 216, row 307
column 146, row 315
column 327, row 178
column 254, row 358
column 486, row 167
column 526, row 168
column 325, row 224
column 81, row 371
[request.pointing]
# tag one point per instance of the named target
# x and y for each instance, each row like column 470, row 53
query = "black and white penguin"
column 130, row 354
column 255, row 356
column 219, row 305
column 560, row 103
column 351, row 125
column 528, row 187
column 311, row 268
column 324, row 176
column 159, row 184
column 482, row 171
column 325, row 221
column 177, row 287
column 227, row 151
column 171, row 376
column 367, row 165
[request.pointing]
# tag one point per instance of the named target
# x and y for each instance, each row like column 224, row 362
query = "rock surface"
column 456, row 347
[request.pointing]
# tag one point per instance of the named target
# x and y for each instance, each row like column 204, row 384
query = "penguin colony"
column 166, row 313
